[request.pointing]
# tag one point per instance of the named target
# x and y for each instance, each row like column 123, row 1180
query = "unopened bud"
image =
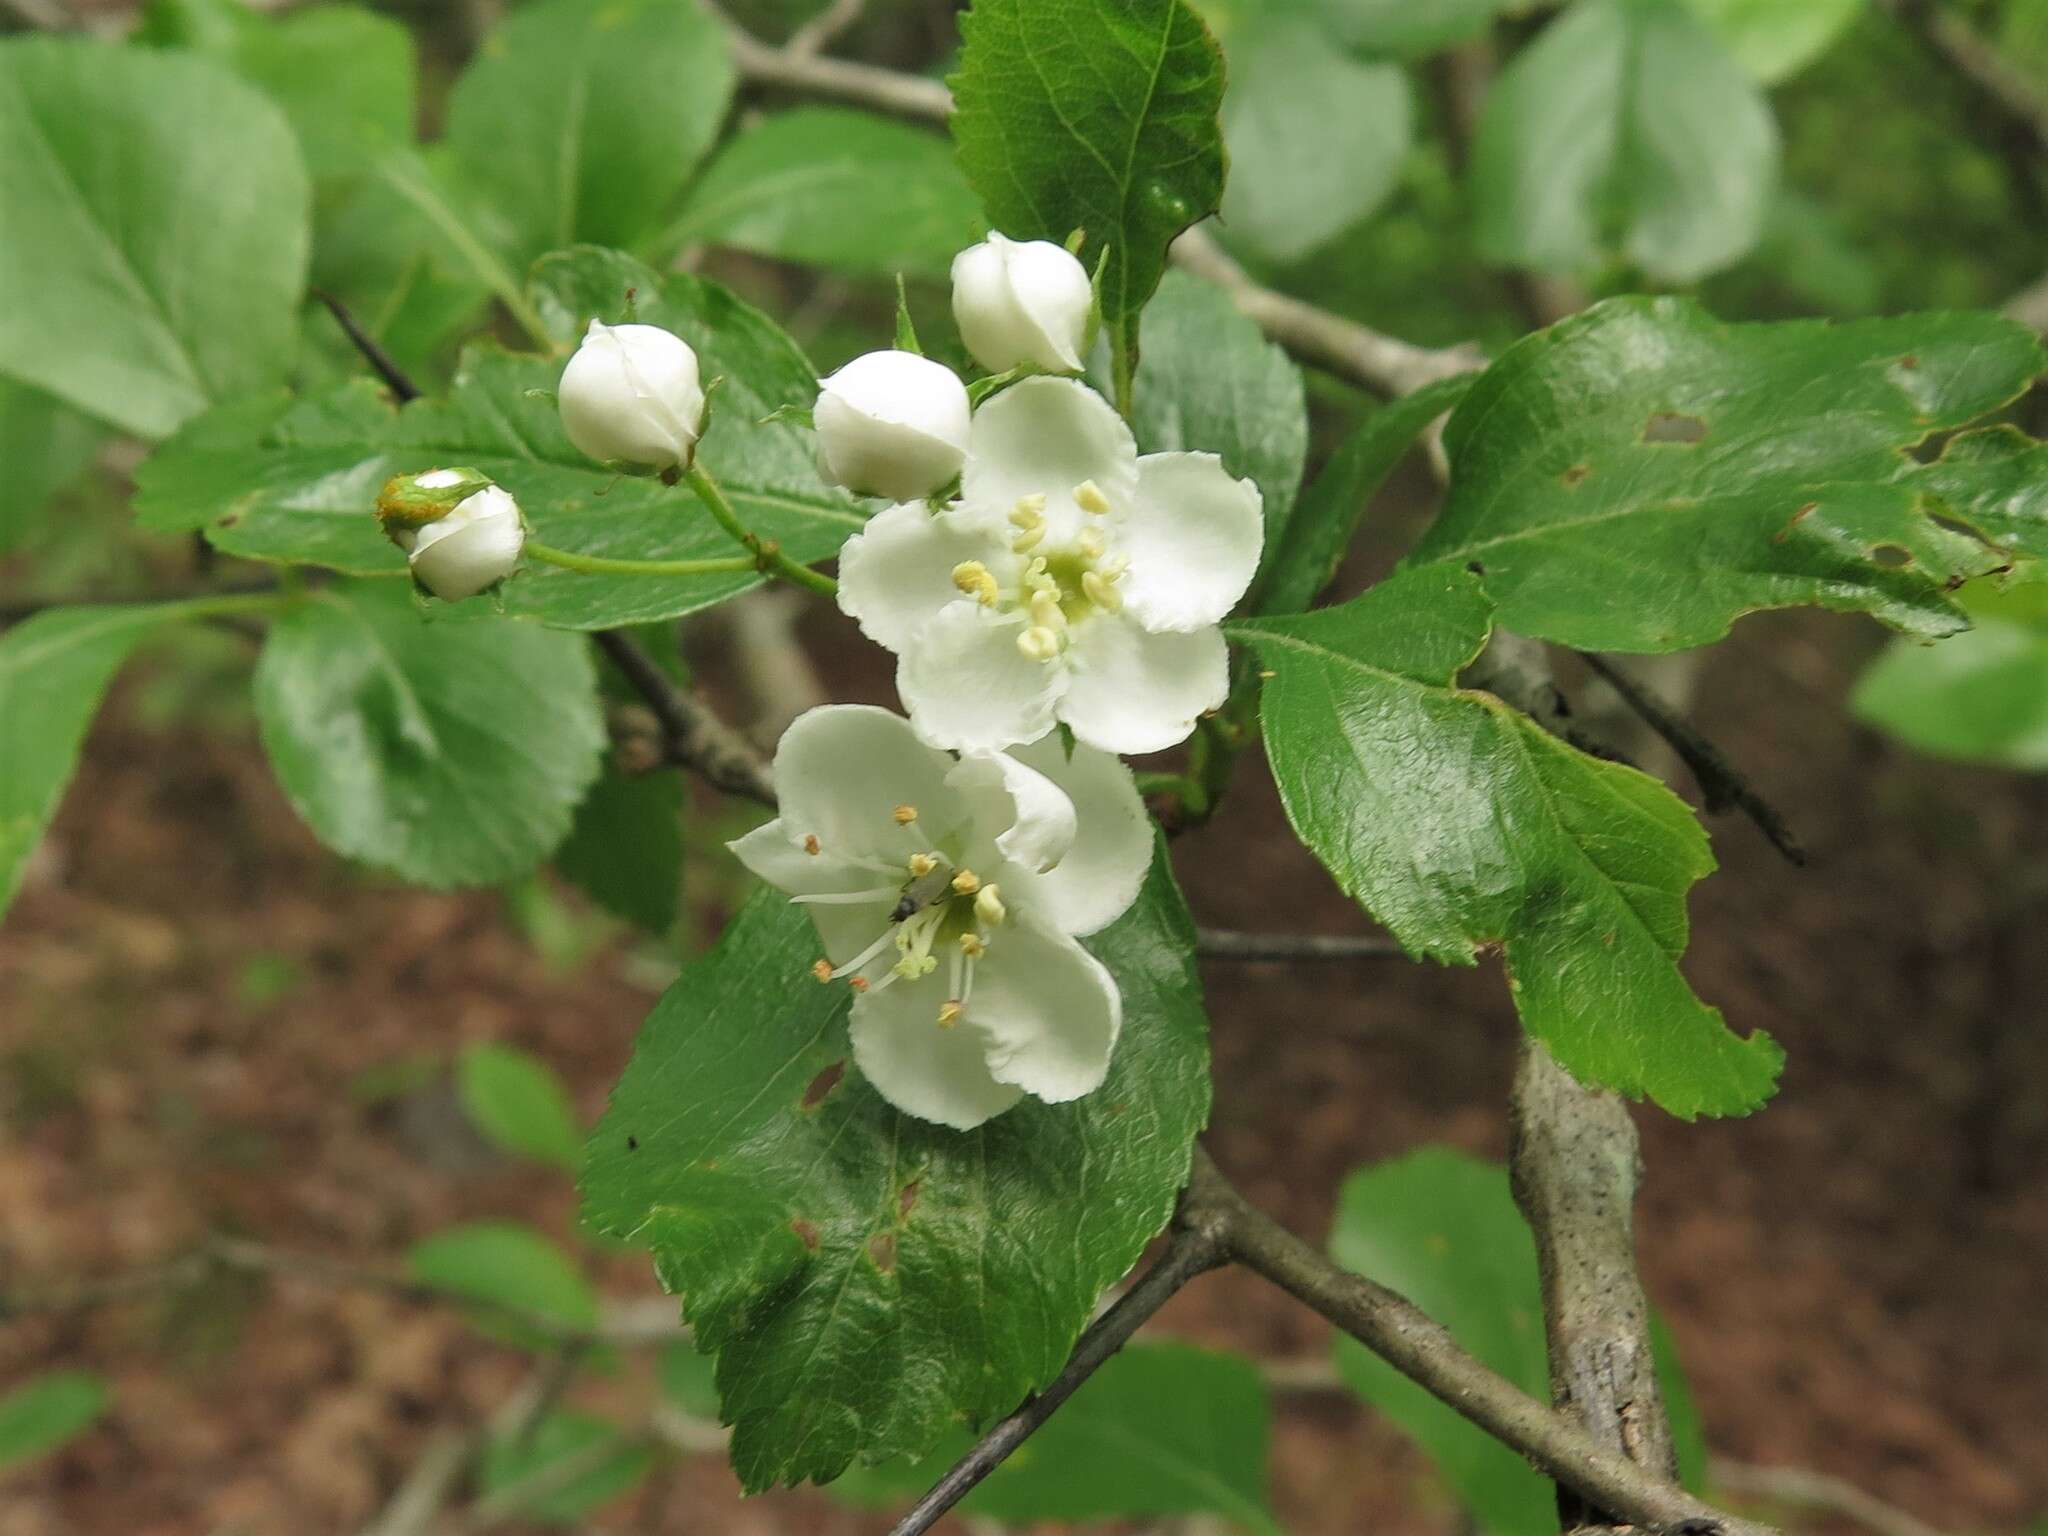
column 892, row 424
column 631, row 395
column 1022, row 302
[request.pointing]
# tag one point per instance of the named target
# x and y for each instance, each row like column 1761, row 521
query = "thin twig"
column 1193, row 1249
column 692, row 736
column 1722, row 785
column 1819, row 1491
column 381, row 362
column 427, row 1487
column 824, row 28
column 2007, row 92
column 1227, row 944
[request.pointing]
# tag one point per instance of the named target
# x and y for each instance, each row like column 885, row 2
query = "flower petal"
column 923, row 1068
column 1193, row 535
column 969, row 688
column 898, row 571
column 1044, row 436
column 1131, row 691
column 845, row 929
column 842, row 769
column 1048, row 1010
column 1031, row 817
column 1100, row 875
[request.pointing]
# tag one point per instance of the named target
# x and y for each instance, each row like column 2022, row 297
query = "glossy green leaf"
column 869, row 1280
column 453, row 753
column 1161, row 1429
column 566, row 1468
column 582, row 122
column 1442, row 1229
column 519, row 1103
column 1315, row 541
column 45, row 1411
column 1210, row 382
column 45, row 445
column 1640, row 476
column 509, row 1271
column 1773, row 39
column 1996, row 481
column 1317, row 140
column 1624, row 128
column 836, row 188
column 1979, row 697
column 1407, row 29
column 153, row 231
column 1092, row 115
column 625, row 849
column 1462, row 825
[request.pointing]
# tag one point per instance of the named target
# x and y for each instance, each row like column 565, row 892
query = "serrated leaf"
column 156, row 209
column 453, row 753
column 1442, row 1229
column 569, row 1465
column 1160, row 1429
column 582, row 122
column 1624, row 128
column 1979, row 697
column 519, row 1103
column 44, row 1412
column 45, row 445
column 1997, row 482
column 866, row 1279
column 1460, row 824
column 1314, row 542
column 836, row 188
column 1638, row 477
column 1774, row 39
column 625, row 848
column 504, row 1268
column 1096, row 115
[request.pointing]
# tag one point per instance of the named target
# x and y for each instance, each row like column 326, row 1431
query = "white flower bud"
column 473, row 547
column 892, row 424
column 631, row 395
column 1022, row 302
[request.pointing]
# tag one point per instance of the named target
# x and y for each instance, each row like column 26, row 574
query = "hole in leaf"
column 822, row 1085
column 1674, row 427
column 807, row 1232
column 907, row 1200
column 1891, row 556
column 882, row 1249
column 632, row 1143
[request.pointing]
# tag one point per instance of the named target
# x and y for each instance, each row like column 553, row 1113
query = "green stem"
column 605, row 565
column 768, row 557
column 230, row 604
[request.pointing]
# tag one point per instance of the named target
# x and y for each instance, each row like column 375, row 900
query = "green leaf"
column 836, row 188
column 869, row 1280
column 1979, row 697
column 1461, row 825
column 1317, row 140
column 1314, row 542
column 1624, row 128
column 625, row 849
column 582, row 122
column 504, row 1268
column 1641, row 475
column 42, row 1413
column 1161, row 1429
column 45, row 445
column 1404, row 29
column 569, row 1465
column 687, row 1381
column 1774, row 39
column 520, row 1104
column 1096, row 115
column 1210, row 382
column 1996, row 481
column 1441, row 1228
column 453, row 753
column 156, row 210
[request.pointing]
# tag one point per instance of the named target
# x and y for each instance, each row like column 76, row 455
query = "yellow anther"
column 967, row 882
column 973, row 946
column 1039, row 643
column 1089, row 498
column 822, row 970
column 988, row 906
column 1090, row 544
column 811, row 843
column 922, row 864
column 1045, row 611
column 904, row 815
column 1029, row 511
column 950, row 1011
column 974, row 578
column 858, row 983
column 1101, row 591
column 1024, row 540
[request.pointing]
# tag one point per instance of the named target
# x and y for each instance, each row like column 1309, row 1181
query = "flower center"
column 1060, row 585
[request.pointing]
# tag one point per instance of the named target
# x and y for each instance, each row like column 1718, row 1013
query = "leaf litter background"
column 204, row 1020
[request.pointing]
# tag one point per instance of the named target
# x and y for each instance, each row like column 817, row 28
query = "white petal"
column 631, row 395
column 892, row 424
column 1132, row 691
column 1029, row 818
column 1053, row 290
column 1101, row 874
column 1044, row 437
column 1020, row 303
column 779, row 857
column 924, row 1069
column 1048, row 1010
column 1193, row 536
column 898, row 571
column 842, row 769
column 474, row 546
column 969, row 688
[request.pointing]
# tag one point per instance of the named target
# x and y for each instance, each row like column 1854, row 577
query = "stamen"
column 1046, row 612
column 1039, row 643
column 955, row 968
column 847, row 898
column 858, row 983
column 967, row 882
column 1101, row 591
column 822, row 970
column 904, row 815
column 862, row 960
column 1090, row 544
column 1089, row 498
column 1027, row 539
column 812, row 845
column 922, row 864
column 988, row 906
column 949, row 1013
column 965, row 991
column 1029, row 511
column 975, row 579
column 972, row 945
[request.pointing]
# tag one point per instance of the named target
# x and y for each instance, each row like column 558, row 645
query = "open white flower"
column 1072, row 582
column 460, row 532
column 632, row 395
column 948, row 894
column 1022, row 302
column 892, row 424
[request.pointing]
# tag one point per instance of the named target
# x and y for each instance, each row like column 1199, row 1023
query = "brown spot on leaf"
column 906, row 1201
column 882, row 1249
column 1575, row 476
column 1785, row 532
column 806, row 1232
column 1675, row 427
column 821, row 1086
column 1909, row 361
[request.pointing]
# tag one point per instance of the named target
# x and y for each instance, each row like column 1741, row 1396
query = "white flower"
column 1022, row 302
column 1073, row 581
column 891, row 424
column 948, row 894
column 631, row 395
column 475, row 546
